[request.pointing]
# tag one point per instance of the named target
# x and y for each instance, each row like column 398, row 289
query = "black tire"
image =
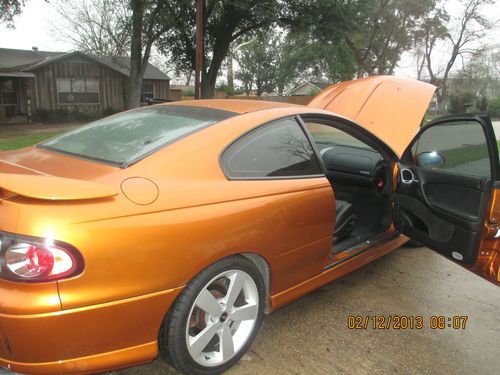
column 412, row 244
column 172, row 339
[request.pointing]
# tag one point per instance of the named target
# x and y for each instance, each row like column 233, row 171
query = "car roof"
column 233, row 105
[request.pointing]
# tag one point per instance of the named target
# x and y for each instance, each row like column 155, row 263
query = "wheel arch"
column 265, row 271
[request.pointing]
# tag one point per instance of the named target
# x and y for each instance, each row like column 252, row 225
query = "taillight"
column 37, row 260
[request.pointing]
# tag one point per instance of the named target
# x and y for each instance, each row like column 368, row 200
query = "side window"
column 280, row 149
column 327, row 137
column 458, row 147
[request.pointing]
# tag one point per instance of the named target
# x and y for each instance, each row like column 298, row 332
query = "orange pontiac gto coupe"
column 172, row 229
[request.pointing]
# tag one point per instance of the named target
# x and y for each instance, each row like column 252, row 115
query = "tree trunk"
column 209, row 79
column 208, row 85
column 135, row 79
column 230, row 74
column 442, row 98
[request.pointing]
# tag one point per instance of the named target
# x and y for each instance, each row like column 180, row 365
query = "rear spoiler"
column 53, row 188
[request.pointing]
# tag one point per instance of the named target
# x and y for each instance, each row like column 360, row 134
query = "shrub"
column 494, row 108
column 460, row 101
column 41, row 115
column 482, row 104
column 61, row 115
column 109, row 111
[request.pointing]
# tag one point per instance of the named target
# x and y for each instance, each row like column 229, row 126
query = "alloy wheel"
column 222, row 318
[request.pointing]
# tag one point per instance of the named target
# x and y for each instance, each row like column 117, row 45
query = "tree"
column 460, row 40
column 256, row 62
column 9, row 9
column 120, row 27
column 150, row 20
column 478, row 73
column 388, row 28
column 98, row 27
column 374, row 33
column 494, row 108
column 224, row 22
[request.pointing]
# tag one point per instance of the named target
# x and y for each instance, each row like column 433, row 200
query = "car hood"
column 391, row 108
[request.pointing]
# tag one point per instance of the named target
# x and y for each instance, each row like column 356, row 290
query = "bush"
column 224, row 87
column 482, row 104
column 109, row 112
column 494, row 108
column 460, row 101
column 61, row 115
column 41, row 115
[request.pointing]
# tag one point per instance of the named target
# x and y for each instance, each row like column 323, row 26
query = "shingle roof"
column 18, row 59
column 27, row 60
column 320, row 84
column 123, row 65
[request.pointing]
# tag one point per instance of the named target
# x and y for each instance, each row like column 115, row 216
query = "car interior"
column 360, row 178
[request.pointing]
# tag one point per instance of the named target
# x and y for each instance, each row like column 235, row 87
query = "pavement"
column 310, row 336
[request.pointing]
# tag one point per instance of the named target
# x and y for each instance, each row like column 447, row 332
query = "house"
column 33, row 79
column 187, row 90
column 308, row 88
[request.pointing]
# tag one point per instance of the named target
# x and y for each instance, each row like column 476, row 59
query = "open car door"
column 448, row 192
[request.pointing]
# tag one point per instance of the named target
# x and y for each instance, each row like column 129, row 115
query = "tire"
column 215, row 319
column 412, row 244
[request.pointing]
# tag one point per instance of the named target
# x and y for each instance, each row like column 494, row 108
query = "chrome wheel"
column 222, row 318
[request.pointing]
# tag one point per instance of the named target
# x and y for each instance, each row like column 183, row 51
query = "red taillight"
column 39, row 261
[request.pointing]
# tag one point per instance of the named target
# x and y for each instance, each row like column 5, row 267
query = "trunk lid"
column 39, row 174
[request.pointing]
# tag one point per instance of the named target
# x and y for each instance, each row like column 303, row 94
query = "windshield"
column 125, row 138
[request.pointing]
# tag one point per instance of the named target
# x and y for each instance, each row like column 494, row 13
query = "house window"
column 78, row 91
column 9, row 92
column 147, row 92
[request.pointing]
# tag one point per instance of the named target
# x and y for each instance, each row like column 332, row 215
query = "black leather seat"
column 346, row 220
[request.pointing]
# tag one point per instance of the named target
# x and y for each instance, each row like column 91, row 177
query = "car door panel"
column 456, row 198
column 445, row 207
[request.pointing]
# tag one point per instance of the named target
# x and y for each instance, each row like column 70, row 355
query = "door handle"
column 407, row 176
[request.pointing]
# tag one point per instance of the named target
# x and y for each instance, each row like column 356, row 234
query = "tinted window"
column 127, row 137
column 459, row 147
column 327, row 137
column 276, row 150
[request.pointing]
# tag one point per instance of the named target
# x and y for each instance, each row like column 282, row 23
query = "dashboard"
column 354, row 166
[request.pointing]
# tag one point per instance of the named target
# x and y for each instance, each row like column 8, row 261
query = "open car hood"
column 392, row 108
column 53, row 188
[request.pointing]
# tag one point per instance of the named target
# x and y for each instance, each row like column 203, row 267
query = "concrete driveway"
column 311, row 336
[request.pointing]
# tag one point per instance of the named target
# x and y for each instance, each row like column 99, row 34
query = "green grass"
column 462, row 155
column 24, row 141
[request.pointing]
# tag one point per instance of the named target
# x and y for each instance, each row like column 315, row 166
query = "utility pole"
column 198, row 65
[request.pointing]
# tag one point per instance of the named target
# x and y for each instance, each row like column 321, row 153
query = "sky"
column 34, row 27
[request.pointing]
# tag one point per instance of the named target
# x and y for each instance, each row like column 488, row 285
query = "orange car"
column 172, row 229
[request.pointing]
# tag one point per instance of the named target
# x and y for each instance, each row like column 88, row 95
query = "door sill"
column 344, row 255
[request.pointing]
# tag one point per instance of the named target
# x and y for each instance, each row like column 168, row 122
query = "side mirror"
column 430, row 159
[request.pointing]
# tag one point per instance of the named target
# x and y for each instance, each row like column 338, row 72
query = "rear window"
column 126, row 138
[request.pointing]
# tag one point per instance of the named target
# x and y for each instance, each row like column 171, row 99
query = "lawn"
column 14, row 136
column 25, row 140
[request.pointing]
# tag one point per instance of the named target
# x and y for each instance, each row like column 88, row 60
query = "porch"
column 15, row 96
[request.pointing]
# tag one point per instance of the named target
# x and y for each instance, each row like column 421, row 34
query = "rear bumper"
column 85, row 340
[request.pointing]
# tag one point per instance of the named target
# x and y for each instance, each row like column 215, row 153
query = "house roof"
column 318, row 84
column 16, row 60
